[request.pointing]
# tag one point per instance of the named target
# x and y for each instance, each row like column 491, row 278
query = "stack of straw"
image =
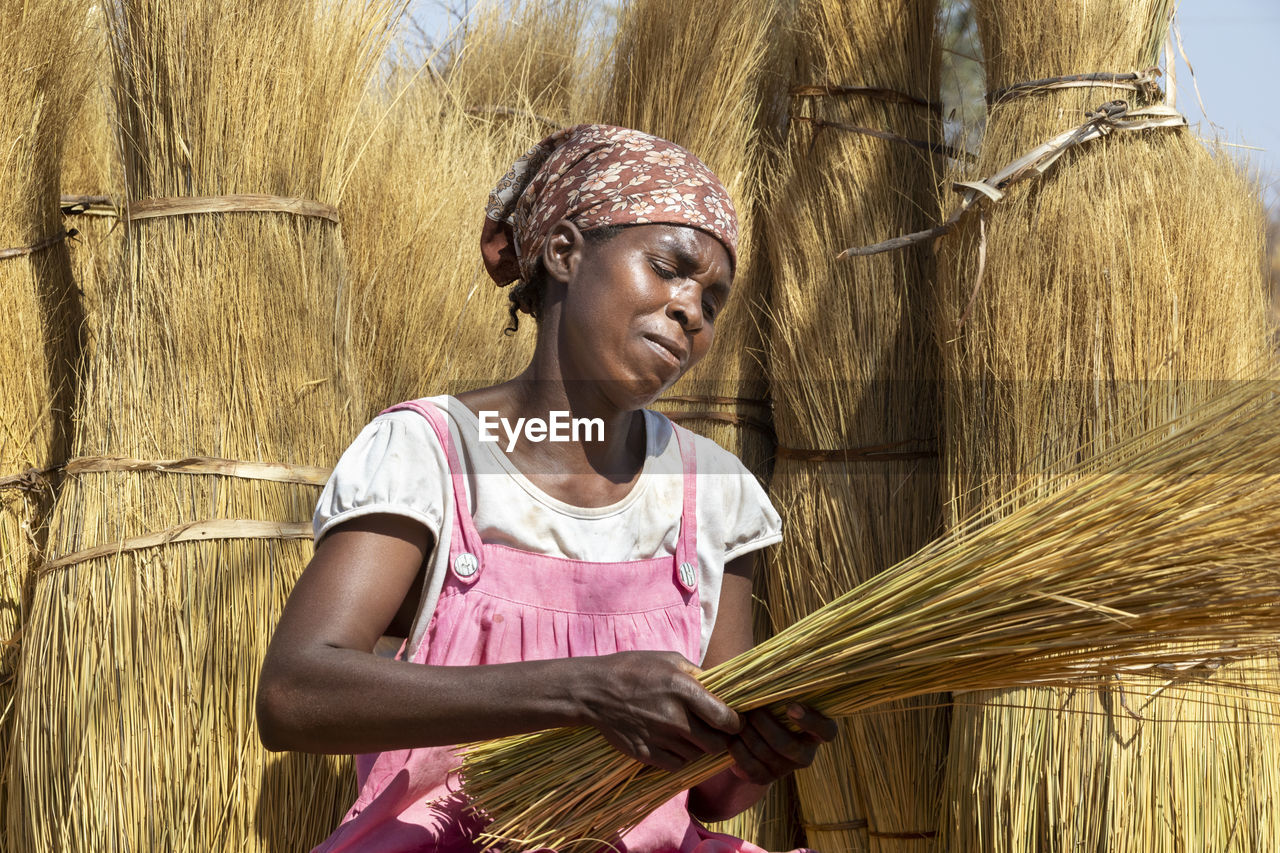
column 426, row 318
column 93, row 179
column 710, row 80
column 219, row 345
column 39, row 91
column 853, row 369
column 1155, row 556
column 1084, row 307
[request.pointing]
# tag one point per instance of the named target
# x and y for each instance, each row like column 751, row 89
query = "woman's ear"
column 562, row 250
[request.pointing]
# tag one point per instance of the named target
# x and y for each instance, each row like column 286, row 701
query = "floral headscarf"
column 596, row 175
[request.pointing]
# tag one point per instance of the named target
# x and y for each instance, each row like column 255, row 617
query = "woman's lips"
column 669, row 349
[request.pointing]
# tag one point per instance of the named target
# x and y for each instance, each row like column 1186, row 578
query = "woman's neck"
column 567, row 438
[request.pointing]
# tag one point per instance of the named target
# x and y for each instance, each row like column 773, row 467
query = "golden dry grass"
column 1152, row 557
column 710, row 79
column 40, row 93
column 219, row 336
column 426, row 318
column 853, row 365
column 1112, row 289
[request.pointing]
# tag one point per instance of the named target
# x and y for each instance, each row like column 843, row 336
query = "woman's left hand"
column 767, row 749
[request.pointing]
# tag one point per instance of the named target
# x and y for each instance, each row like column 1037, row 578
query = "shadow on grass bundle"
column 1167, row 538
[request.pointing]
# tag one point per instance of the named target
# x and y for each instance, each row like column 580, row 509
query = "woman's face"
column 640, row 309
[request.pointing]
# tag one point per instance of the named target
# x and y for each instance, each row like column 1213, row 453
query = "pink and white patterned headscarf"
column 596, row 175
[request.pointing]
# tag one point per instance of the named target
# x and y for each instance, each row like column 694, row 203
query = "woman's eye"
column 663, row 271
column 709, row 309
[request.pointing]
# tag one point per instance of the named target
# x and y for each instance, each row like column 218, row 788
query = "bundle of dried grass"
column 1082, row 308
column 853, row 380
column 219, row 341
column 1167, row 537
column 710, row 78
column 521, row 58
column 424, row 312
column 93, row 180
column 39, row 94
column 425, row 315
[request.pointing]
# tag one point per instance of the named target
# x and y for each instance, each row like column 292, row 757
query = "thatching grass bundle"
column 221, row 339
column 426, row 318
column 39, row 94
column 1082, row 308
column 710, row 78
column 853, row 369
column 522, row 58
column 1167, row 538
column 424, row 312
column 93, row 179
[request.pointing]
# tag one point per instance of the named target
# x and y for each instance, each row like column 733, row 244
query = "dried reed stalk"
column 710, row 78
column 426, row 317
column 1108, row 292
column 40, row 90
column 854, row 366
column 522, row 57
column 1165, row 538
column 220, row 337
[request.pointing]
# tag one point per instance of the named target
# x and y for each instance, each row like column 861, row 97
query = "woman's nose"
column 685, row 308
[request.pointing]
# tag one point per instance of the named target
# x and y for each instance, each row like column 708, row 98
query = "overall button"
column 688, row 575
column 466, row 565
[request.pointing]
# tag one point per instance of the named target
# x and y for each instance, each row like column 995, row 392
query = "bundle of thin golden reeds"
column 93, row 180
column 853, row 376
column 1113, row 287
column 426, row 318
column 522, row 58
column 1167, row 537
column 215, row 386
column 40, row 89
column 710, row 78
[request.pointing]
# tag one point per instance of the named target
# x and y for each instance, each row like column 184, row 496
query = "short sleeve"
column 396, row 465
column 756, row 523
column 739, row 511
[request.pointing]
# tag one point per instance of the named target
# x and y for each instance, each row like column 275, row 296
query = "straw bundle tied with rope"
column 711, row 80
column 93, row 180
column 1113, row 286
column 39, row 95
column 522, row 58
column 853, row 378
column 441, row 131
column 220, row 339
column 1166, row 538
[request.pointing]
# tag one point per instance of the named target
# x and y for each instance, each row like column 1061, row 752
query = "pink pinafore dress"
column 500, row 605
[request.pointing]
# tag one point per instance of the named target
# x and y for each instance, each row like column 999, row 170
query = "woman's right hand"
column 651, row 706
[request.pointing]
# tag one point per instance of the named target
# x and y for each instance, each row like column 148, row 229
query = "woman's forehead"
column 693, row 245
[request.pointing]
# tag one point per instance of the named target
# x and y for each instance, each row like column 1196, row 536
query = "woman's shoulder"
column 395, row 465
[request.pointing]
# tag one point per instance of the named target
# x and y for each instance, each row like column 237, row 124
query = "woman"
column 546, row 583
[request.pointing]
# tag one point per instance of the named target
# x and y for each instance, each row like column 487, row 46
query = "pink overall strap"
column 464, row 550
column 687, row 546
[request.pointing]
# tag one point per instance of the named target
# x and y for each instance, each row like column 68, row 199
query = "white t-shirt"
column 396, row 465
